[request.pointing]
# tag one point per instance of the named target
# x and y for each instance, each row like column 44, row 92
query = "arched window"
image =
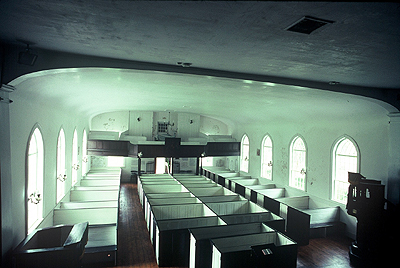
column 297, row 163
column 344, row 159
column 61, row 172
column 84, row 153
column 266, row 158
column 34, row 185
column 244, row 154
column 75, row 164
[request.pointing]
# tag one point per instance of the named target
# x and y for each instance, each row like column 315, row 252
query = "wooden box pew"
column 89, row 204
column 56, row 246
column 100, row 187
column 297, row 222
column 224, row 178
column 103, row 222
column 269, row 218
column 100, row 182
column 192, row 179
column 104, row 174
column 200, row 185
column 93, row 195
column 237, row 212
column 200, row 252
column 221, row 198
column 101, row 178
column 185, row 177
column 214, row 173
column 235, row 207
column 241, row 186
column 248, row 251
column 229, row 181
column 172, row 238
column 210, row 191
column 160, row 189
column 93, row 215
column 153, row 182
column 178, row 211
column 166, row 201
column 271, row 193
column 210, row 171
column 254, row 196
column 323, row 220
column 171, row 196
column 102, row 244
column 155, row 176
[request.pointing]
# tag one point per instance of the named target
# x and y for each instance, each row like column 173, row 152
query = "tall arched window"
column 75, row 164
column 298, row 153
column 244, row 154
column 61, row 172
column 344, row 159
column 84, row 153
column 34, row 185
column 266, row 158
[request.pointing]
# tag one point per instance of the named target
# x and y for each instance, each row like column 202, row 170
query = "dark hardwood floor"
column 136, row 251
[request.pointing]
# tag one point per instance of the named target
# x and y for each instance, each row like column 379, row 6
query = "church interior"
column 216, row 133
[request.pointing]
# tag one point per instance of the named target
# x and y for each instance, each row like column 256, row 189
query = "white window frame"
column 85, row 157
column 351, row 157
column 61, row 171
column 75, row 163
column 266, row 157
column 244, row 154
column 298, row 164
column 35, row 176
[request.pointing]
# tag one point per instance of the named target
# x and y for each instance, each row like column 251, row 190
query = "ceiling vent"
column 308, row 24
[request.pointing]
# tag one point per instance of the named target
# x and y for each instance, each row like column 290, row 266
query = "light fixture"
column 26, row 57
column 184, row 64
column 5, row 100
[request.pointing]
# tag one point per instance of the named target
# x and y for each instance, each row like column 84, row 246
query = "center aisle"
column 134, row 247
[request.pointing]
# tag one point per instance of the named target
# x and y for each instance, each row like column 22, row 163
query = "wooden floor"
column 135, row 249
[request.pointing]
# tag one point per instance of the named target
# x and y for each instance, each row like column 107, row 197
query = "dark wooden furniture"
column 58, row 246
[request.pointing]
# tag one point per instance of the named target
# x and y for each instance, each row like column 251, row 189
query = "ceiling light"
column 307, row 25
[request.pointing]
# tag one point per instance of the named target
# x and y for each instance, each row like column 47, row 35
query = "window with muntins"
column 345, row 159
column 266, row 158
column 61, row 172
column 244, row 154
column 297, row 164
column 34, row 191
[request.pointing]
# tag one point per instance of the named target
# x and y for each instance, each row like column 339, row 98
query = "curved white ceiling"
column 92, row 91
column 360, row 48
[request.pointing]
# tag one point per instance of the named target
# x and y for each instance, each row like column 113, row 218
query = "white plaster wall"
column 110, row 121
column 211, row 126
column 370, row 132
column 141, row 124
column 144, row 123
column 24, row 114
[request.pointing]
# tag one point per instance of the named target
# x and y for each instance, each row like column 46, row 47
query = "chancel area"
column 199, row 134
